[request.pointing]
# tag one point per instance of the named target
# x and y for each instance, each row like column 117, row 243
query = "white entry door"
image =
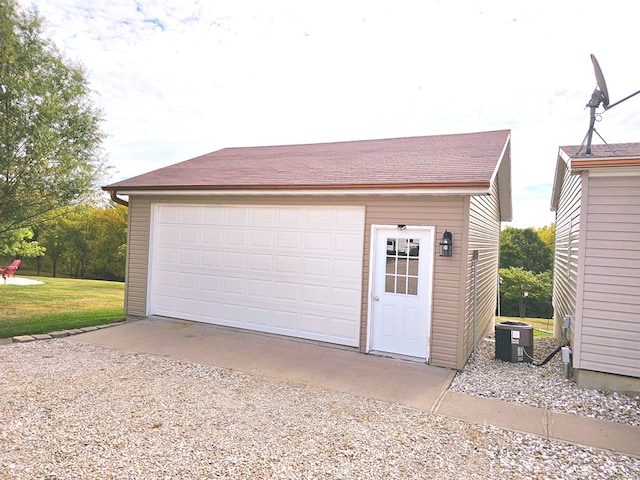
column 401, row 290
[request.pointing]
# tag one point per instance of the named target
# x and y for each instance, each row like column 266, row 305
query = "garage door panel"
column 236, row 238
column 290, row 216
column 315, row 266
column 189, row 235
column 346, row 298
column 286, row 291
column 210, row 258
column 165, row 303
column 212, row 216
column 264, row 216
column 165, row 278
column 347, row 243
column 258, row 317
column 284, row 322
column 238, row 216
column 234, row 285
column 262, row 238
column 261, row 262
column 189, row 257
column 212, row 236
column 321, row 218
column 317, row 242
column 345, row 330
column 170, row 214
column 259, row 288
column 233, row 313
column 285, row 264
column 315, row 294
column 187, row 306
column 169, row 233
column 207, row 311
column 187, row 280
column 235, row 260
column 166, row 255
column 210, row 283
column 273, row 269
column 313, row 324
column 347, row 269
column 289, row 240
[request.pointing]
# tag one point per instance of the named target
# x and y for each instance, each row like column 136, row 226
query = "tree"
column 548, row 236
column 87, row 242
column 525, row 249
column 108, row 242
column 50, row 137
column 19, row 243
column 521, row 288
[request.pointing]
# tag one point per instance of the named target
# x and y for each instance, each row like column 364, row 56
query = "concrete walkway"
column 419, row 386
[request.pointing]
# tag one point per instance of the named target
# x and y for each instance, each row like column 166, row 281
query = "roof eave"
column 562, row 163
column 468, row 188
column 578, row 164
column 503, row 175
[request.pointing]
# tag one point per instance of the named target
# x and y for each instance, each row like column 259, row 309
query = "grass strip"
column 58, row 304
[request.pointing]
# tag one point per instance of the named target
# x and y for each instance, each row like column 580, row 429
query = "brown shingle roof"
column 604, row 151
column 444, row 160
column 613, row 155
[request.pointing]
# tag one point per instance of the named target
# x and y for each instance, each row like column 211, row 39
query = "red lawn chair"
column 10, row 270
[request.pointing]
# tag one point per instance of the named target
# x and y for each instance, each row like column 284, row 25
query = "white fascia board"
column 312, row 192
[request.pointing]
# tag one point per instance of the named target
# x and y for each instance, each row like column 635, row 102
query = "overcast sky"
column 177, row 79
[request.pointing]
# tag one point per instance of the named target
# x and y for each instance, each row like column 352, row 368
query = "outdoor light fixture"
column 446, row 244
column 402, row 227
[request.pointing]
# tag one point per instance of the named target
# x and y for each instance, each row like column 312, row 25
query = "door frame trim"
column 431, row 230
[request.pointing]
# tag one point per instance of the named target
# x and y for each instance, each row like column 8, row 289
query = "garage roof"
column 461, row 160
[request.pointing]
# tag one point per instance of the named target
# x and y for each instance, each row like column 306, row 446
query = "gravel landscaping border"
column 73, row 410
column 541, row 386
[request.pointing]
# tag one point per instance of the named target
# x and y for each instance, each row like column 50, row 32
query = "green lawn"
column 58, row 304
column 542, row 327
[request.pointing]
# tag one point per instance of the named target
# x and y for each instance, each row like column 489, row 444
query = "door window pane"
column 402, row 266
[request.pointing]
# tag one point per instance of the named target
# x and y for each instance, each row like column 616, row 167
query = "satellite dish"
column 602, row 85
column 599, row 96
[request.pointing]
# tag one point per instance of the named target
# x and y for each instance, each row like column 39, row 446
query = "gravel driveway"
column 72, row 410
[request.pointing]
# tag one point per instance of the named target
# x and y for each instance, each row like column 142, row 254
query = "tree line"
column 526, row 272
column 80, row 242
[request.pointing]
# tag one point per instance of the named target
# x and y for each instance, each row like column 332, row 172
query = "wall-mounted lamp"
column 446, row 244
column 402, row 227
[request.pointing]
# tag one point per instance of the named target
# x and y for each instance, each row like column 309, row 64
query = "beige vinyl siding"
column 565, row 266
column 137, row 257
column 608, row 336
column 443, row 212
column 484, row 236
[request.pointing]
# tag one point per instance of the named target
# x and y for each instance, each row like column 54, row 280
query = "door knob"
column 376, row 298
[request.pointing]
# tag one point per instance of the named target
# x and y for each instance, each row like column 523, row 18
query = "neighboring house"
column 336, row 242
column 597, row 262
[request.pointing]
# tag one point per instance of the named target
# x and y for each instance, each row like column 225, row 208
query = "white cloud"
column 179, row 79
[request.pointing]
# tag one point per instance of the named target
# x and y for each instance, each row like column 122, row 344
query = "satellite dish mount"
column 599, row 96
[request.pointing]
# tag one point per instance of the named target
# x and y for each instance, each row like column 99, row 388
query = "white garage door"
column 289, row 270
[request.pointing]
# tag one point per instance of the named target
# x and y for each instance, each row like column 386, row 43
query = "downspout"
column 117, row 199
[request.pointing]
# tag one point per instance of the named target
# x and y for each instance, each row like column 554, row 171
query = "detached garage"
column 338, row 243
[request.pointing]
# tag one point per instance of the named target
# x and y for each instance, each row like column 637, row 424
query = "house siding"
column 484, row 236
column 137, row 256
column 442, row 212
column 608, row 337
column 565, row 267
